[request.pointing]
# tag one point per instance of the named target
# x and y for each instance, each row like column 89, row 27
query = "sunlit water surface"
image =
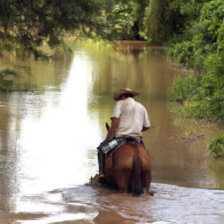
column 48, row 142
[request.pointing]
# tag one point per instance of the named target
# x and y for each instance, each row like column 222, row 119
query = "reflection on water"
column 48, row 140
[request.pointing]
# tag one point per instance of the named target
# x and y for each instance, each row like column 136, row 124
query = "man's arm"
column 146, row 123
column 114, row 123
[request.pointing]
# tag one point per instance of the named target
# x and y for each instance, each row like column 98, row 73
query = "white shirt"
column 132, row 118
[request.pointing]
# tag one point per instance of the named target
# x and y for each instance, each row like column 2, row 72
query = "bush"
column 217, row 145
column 183, row 51
column 204, row 52
column 201, row 47
column 183, row 88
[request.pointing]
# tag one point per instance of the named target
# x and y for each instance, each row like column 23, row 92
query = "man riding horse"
column 128, row 120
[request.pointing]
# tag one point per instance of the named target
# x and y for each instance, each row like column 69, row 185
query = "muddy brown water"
column 48, row 139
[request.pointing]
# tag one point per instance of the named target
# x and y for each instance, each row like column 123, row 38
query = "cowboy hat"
column 121, row 92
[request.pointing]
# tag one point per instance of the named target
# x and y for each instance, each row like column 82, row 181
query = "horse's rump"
column 129, row 168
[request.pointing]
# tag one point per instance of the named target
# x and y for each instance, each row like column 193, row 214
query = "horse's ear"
column 107, row 126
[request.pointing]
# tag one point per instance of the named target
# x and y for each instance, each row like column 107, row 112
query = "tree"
column 154, row 21
column 25, row 24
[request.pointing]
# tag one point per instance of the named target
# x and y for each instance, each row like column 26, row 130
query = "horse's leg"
column 146, row 181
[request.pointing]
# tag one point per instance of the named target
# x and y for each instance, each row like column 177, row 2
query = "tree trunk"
column 155, row 20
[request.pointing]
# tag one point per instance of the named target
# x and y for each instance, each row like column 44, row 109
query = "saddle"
column 124, row 140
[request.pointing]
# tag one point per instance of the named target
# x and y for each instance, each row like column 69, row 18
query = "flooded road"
column 48, row 142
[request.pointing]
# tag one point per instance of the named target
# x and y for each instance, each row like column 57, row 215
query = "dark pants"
column 101, row 157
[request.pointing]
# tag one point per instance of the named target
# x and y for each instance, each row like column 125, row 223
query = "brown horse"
column 129, row 168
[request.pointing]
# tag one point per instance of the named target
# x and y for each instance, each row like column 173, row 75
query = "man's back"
column 132, row 118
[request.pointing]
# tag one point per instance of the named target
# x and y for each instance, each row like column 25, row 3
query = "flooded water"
column 48, row 141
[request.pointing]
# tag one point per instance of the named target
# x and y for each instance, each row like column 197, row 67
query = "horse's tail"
column 137, row 166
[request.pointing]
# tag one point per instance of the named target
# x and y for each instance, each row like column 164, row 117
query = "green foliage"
column 210, row 108
column 164, row 20
column 204, row 52
column 183, row 52
column 217, row 145
column 124, row 20
column 204, row 35
column 183, row 88
column 204, row 95
column 153, row 23
column 120, row 21
column 26, row 24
